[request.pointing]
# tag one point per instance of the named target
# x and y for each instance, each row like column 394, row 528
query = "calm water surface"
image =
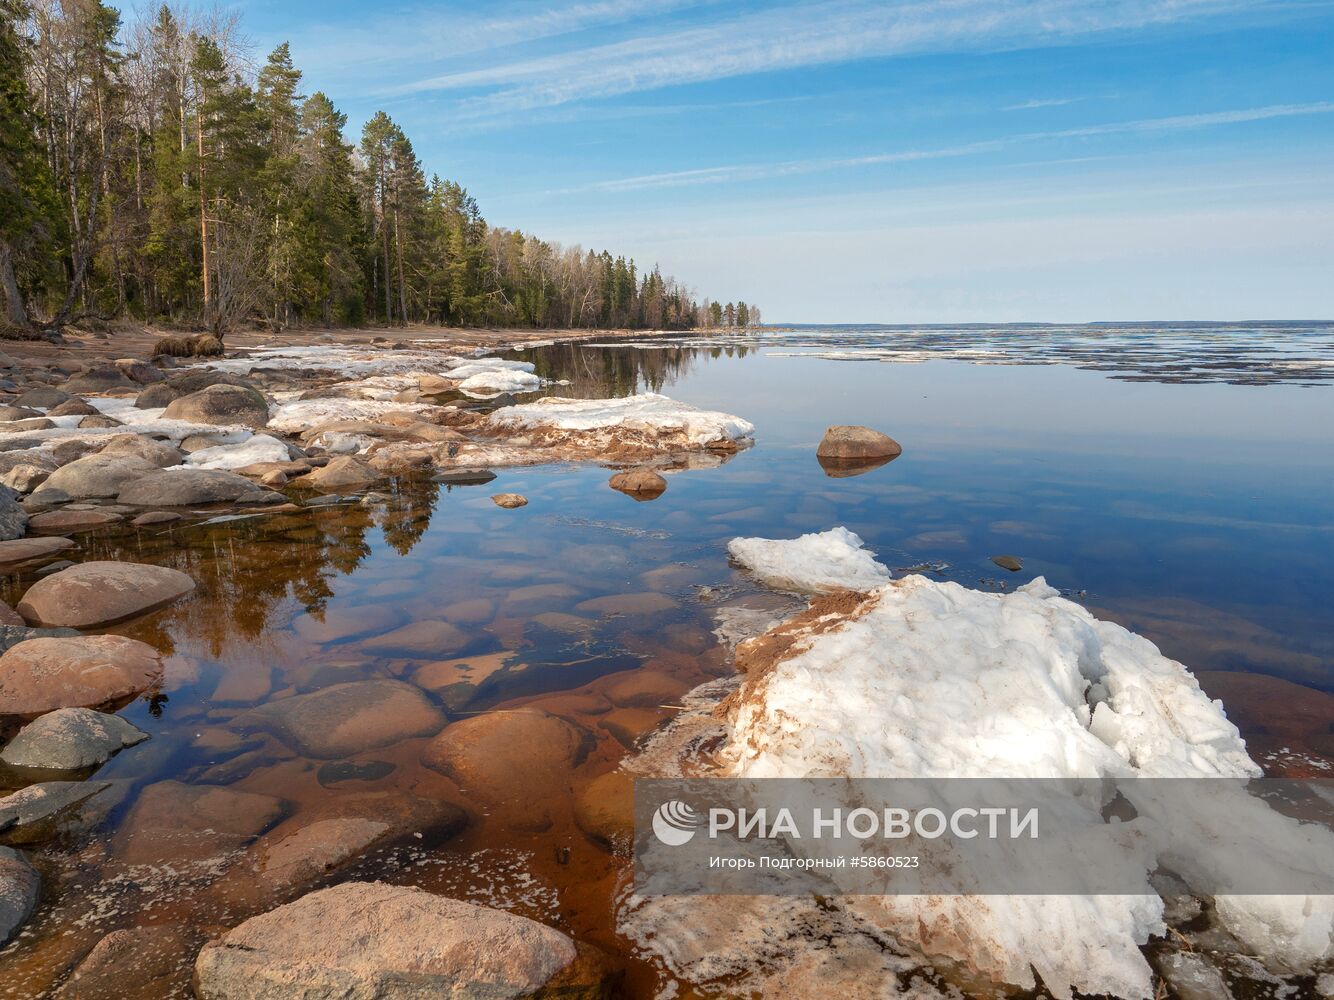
column 1176, row 480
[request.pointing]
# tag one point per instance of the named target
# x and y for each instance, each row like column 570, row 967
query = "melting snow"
column 649, row 412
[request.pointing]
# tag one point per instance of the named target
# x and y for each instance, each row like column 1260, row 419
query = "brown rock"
column 156, row 958
column 154, row 452
column 471, row 612
column 97, row 475
column 185, row 487
column 516, row 762
column 345, row 472
column 510, row 500
column 641, row 484
column 857, row 443
column 64, row 522
column 226, row 405
column 20, row 885
column 645, row 689
column 1012, row 563
column 100, row 421
column 94, row 594
column 156, row 517
column 21, row 553
column 647, row 603
column 420, row 639
column 171, row 821
column 364, row 939
column 346, row 719
column 40, row 675
column 347, row 623
column 26, row 478
column 605, row 809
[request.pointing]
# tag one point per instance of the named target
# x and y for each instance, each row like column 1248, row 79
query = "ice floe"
column 650, row 414
column 255, row 449
column 918, row 679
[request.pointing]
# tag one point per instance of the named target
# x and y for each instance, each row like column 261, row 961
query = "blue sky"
column 847, row 161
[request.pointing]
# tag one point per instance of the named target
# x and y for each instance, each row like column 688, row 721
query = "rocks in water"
column 510, row 500
column 221, row 404
column 857, row 442
column 368, row 939
column 20, row 885
column 171, row 821
column 156, row 958
column 1012, row 563
column 605, row 809
column 185, row 487
column 341, row 473
column 647, row 603
column 847, row 451
column 338, row 771
column 11, row 634
column 13, row 518
column 94, row 594
column 515, row 762
column 346, row 719
column 464, row 477
column 71, row 739
column 641, row 483
column 22, row 553
column 155, row 517
column 154, row 452
column 46, row 673
column 32, row 814
column 97, row 476
column 419, row 639
column 347, row 623
column 65, row 522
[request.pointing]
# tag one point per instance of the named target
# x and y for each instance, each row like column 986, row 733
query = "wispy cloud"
column 795, row 36
column 731, row 173
column 1042, row 102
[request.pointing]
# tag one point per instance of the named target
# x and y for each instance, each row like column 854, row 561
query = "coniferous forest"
column 157, row 171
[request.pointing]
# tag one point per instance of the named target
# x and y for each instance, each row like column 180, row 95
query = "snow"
column 501, row 381
column 257, row 448
column 934, row 680
column 811, row 564
column 348, row 360
column 649, row 412
column 486, row 366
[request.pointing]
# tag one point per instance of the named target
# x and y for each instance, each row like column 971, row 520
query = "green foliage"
column 192, row 192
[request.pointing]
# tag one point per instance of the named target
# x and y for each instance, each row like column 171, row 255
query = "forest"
column 156, row 171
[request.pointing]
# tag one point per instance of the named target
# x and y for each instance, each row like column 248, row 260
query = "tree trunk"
column 203, row 213
column 15, row 311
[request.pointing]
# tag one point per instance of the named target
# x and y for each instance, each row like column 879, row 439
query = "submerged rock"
column 22, row 553
column 70, row 739
column 155, row 958
column 420, row 639
column 67, row 522
column 32, row 814
column 171, row 822
column 363, row 939
column 93, row 594
column 641, row 483
column 347, row 719
column 43, row 674
column 515, row 762
column 20, row 885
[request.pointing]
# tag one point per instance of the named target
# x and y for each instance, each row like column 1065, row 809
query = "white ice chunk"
column 303, row 414
column 648, row 412
column 258, row 448
column 816, row 563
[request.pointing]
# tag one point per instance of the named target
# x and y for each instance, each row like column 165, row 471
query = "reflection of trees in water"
column 253, row 572
column 603, row 372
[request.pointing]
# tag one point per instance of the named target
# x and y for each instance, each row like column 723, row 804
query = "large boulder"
column 140, row 371
column 155, row 452
column 424, row 639
column 221, row 404
column 104, row 378
column 46, row 673
column 856, row 443
column 20, row 886
column 185, row 487
column 172, row 822
column 94, row 594
column 71, row 739
column 43, row 397
column 74, row 408
column 366, row 939
column 511, row 761
column 346, row 719
column 96, row 476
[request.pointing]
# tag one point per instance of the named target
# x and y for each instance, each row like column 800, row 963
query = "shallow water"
column 1177, row 480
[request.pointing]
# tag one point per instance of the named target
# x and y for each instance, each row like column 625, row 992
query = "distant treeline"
column 147, row 171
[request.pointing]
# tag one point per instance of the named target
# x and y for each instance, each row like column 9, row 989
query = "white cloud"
column 796, row 36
